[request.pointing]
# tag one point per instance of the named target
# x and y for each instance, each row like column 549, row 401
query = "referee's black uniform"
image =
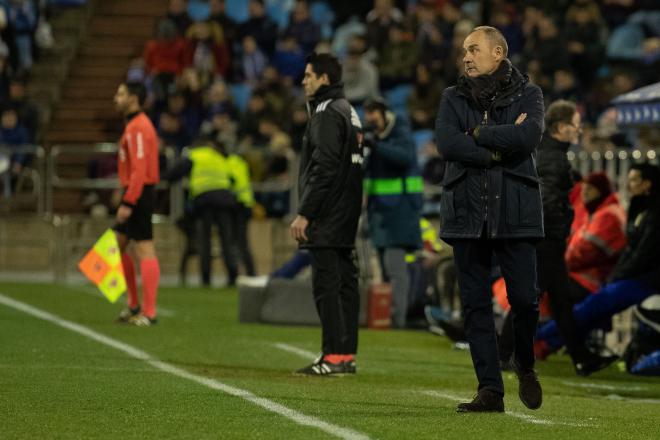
column 330, row 186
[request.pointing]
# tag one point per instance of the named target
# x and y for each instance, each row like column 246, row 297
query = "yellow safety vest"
column 210, row 171
column 240, row 173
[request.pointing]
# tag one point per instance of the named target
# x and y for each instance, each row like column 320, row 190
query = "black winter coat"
column 476, row 189
column 556, row 184
column 641, row 257
column 330, row 181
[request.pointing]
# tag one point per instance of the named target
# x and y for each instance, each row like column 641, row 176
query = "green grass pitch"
column 56, row 383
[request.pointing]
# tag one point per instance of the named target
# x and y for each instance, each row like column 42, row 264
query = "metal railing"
column 32, row 173
column 614, row 163
column 56, row 181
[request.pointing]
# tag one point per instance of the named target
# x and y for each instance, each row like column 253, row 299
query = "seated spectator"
column 218, row 14
column 13, row 135
column 189, row 114
column 164, row 58
column 23, row 16
column 172, row 131
column 596, row 240
column 4, row 72
column 289, row 59
column 222, row 129
column 302, row 29
column 424, row 99
column 434, row 48
column 359, row 75
column 398, row 58
column 565, row 86
column 272, row 149
column 257, row 108
column 207, row 49
column 218, row 100
column 28, row 114
column 636, row 275
column 253, row 61
column 379, row 20
column 505, row 20
column 298, row 127
column 259, row 26
column 177, row 12
column 583, row 31
column 550, row 48
column 278, row 92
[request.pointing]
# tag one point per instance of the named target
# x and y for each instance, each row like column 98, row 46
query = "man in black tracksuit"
column 330, row 185
column 487, row 130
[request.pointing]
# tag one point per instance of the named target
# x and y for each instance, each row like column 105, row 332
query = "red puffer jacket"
column 596, row 242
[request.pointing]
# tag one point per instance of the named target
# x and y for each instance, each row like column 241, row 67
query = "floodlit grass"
column 55, row 383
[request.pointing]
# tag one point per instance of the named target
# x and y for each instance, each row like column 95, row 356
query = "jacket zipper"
column 485, row 122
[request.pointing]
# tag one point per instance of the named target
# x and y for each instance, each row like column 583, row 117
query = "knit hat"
column 601, row 182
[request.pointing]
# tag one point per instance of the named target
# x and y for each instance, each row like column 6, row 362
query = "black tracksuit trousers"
column 335, row 287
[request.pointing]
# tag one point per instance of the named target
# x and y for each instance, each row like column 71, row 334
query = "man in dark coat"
column 487, row 130
column 330, row 186
column 563, row 123
column 394, row 189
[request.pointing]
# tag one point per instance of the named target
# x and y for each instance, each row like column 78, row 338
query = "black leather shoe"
column 593, row 363
column 484, row 401
column 529, row 389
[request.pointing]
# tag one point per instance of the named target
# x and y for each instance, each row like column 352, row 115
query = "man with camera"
column 394, row 190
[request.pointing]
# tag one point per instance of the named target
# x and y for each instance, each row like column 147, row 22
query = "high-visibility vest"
column 240, row 173
column 394, row 186
column 210, row 171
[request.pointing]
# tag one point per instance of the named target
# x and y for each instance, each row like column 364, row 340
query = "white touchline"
column 162, row 311
column 525, row 417
column 297, row 351
column 269, row 405
column 600, row 386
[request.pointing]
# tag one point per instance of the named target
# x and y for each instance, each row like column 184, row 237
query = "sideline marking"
column 269, row 405
column 308, row 355
column 526, row 417
column 631, row 399
column 600, row 386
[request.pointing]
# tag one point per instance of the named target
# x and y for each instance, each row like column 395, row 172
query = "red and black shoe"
column 323, row 367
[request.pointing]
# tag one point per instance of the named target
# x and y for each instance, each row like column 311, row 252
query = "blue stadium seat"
column 198, row 10
column 322, row 14
column 398, row 96
column 241, row 94
column 237, row 10
column 422, row 137
column 279, row 11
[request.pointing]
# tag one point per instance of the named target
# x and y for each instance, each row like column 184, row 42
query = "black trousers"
column 517, row 259
column 220, row 216
column 335, row 286
column 553, row 278
column 240, row 218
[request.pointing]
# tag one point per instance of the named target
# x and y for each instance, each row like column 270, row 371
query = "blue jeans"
column 609, row 300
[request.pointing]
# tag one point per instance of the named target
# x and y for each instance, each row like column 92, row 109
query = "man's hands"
column 123, row 213
column 298, row 228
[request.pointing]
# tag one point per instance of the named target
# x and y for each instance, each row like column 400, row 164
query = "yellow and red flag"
column 102, row 265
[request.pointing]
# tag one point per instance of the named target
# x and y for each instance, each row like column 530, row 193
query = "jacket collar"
column 326, row 92
column 390, row 120
column 551, row 143
column 508, row 93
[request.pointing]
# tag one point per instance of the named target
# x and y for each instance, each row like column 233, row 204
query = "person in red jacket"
column 138, row 175
column 597, row 240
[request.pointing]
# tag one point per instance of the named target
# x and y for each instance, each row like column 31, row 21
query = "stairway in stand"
column 85, row 114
